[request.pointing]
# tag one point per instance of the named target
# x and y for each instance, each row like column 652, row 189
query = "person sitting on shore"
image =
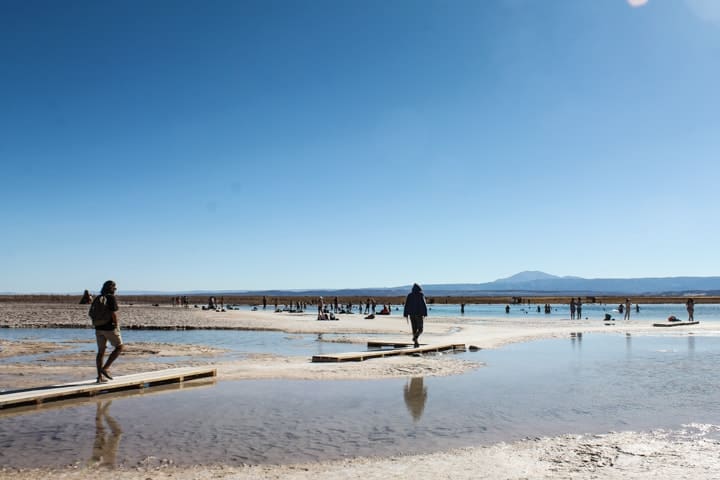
column 326, row 316
column 86, row 298
column 384, row 311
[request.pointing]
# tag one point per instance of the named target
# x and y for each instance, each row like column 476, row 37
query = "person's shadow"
column 415, row 394
column 106, row 443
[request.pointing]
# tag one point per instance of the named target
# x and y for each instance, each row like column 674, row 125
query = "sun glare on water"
column 637, row 3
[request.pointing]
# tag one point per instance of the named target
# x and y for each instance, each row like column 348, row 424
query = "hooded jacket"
column 415, row 302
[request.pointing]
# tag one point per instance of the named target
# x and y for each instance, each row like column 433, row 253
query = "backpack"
column 99, row 312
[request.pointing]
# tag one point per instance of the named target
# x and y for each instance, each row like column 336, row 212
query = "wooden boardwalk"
column 674, row 324
column 89, row 388
column 360, row 356
column 390, row 344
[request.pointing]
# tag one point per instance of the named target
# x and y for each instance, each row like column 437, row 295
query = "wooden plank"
column 360, row 356
column 389, row 344
column 165, row 388
column 91, row 388
column 673, row 324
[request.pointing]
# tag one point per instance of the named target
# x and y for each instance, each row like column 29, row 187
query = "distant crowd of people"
column 334, row 307
column 181, row 301
column 576, row 306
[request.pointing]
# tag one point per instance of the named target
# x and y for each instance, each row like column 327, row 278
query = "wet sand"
column 655, row 454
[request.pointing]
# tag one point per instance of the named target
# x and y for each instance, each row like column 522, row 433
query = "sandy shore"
column 655, row 454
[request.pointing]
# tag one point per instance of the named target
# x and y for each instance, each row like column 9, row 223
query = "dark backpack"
column 99, row 311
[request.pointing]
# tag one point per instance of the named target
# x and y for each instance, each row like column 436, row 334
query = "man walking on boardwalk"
column 107, row 329
column 416, row 309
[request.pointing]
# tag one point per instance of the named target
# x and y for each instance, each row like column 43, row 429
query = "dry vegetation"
column 344, row 300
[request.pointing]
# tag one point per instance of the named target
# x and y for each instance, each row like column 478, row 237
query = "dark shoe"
column 106, row 374
column 100, row 379
column 417, row 345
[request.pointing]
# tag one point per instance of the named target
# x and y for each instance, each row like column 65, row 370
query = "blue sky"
column 177, row 145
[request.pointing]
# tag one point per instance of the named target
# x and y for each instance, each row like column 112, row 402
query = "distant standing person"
column 578, row 309
column 572, row 308
column 416, row 309
column 690, row 305
column 628, row 306
column 107, row 329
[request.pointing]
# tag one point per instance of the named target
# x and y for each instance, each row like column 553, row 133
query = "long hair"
column 107, row 287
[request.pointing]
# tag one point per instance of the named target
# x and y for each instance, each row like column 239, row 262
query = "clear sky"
column 178, row 145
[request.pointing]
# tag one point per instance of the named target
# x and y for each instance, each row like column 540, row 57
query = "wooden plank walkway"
column 674, row 324
column 390, row 344
column 87, row 388
column 360, row 356
column 162, row 389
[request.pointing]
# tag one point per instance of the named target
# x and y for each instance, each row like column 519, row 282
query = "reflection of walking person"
column 416, row 309
column 108, row 332
column 415, row 394
column 106, row 444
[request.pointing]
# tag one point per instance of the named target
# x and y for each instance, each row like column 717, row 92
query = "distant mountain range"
column 523, row 283
column 541, row 282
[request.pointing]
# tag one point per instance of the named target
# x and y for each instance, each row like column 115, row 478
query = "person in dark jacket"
column 416, row 309
column 109, row 332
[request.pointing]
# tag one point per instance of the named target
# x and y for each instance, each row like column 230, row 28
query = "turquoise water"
column 648, row 312
column 594, row 384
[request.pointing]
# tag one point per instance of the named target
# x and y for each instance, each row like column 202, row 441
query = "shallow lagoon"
column 236, row 342
column 591, row 311
column 593, row 384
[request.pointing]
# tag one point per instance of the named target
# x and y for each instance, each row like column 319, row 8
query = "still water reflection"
column 589, row 384
column 107, row 436
column 236, row 343
column 415, row 394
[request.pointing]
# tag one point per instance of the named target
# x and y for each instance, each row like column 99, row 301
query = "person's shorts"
column 112, row 336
